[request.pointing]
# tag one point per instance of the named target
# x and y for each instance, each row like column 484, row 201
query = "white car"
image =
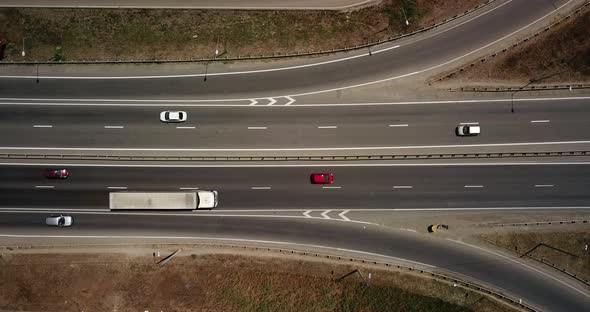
column 60, row 221
column 173, row 116
column 468, row 130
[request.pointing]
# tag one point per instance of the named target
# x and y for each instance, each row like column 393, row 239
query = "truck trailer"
column 163, row 200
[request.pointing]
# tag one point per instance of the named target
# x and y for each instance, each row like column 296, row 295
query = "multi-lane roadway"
column 113, row 110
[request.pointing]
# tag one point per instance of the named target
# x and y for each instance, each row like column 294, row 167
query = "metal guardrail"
column 348, row 260
column 268, row 57
column 291, row 158
column 455, row 72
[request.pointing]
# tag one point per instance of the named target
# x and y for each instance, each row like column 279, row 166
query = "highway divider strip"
column 274, row 56
column 455, row 72
column 456, row 282
column 291, row 158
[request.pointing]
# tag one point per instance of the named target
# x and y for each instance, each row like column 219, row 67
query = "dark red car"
column 322, row 178
column 57, row 173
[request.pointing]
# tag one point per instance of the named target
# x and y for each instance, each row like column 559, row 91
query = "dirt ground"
column 566, row 250
column 561, row 55
column 91, row 34
column 216, row 282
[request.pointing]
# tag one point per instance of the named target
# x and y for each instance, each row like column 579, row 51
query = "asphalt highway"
column 289, row 188
column 503, row 273
column 414, row 55
column 292, row 127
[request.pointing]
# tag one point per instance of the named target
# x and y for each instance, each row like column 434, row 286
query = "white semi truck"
column 163, row 200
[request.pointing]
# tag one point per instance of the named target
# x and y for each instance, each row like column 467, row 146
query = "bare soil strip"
column 135, row 34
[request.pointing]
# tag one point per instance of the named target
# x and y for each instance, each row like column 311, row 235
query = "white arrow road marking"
column 306, row 213
column 325, row 214
column 341, row 215
column 272, row 101
column 253, row 102
column 291, row 100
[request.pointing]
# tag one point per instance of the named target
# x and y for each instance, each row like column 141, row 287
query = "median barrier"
column 447, row 156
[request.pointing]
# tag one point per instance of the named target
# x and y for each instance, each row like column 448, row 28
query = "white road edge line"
column 327, row 127
column 342, row 215
column 331, row 187
column 520, row 263
column 402, row 187
column 473, row 186
column 544, row 185
column 42, row 126
column 261, row 187
column 400, row 125
column 117, row 187
column 367, row 148
column 325, row 214
column 213, row 239
column 323, row 165
column 45, row 186
column 257, row 128
column 114, row 127
column 540, row 121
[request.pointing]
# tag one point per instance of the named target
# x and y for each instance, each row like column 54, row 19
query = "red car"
column 57, row 173
column 322, row 178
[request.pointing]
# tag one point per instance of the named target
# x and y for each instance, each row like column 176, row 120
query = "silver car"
column 468, row 130
column 173, row 116
column 60, row 221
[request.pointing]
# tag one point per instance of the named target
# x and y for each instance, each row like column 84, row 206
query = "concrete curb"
column 267, row 57
column 454, row 73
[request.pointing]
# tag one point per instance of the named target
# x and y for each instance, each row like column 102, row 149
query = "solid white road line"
column 114, row 127
column 261, row 188
column 117, row 187
column 352, row 148
column 400, row 125
column 215, row 239
column 42, row 126
column 44, row 186
column 257, row 128
column 520, row 263
column 332, row 187
column 540, row 121
column 335, row 164
column 325, row 214
column 342, row 215
column 544, row 185
column 402, row 187
column 469, row 123
column 327, row 127
column 473, row 186
column 194, row 103
column 188, row 188
column 185, row 127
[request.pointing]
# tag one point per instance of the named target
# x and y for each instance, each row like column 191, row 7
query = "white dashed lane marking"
column 42, row 126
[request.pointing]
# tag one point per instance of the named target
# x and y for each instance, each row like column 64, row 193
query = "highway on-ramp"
column 504, row 273
column 451, row 45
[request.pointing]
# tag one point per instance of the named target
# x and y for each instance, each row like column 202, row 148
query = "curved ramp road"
column 507, row 274
column 454, row 44
column 193, row 4
column 281, row 187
